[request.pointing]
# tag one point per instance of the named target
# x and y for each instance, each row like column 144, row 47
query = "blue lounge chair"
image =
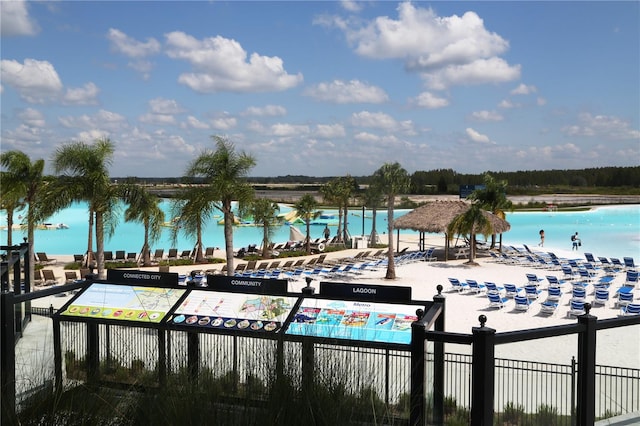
column 548, row 307
column 457, row 285
column 629, row 264
column 531, row 291
column 579, row 294
column 632, row 279
column 533, row 279
column 630, row 309
column 568, row 272
column 475, row 287
column 577, row 308
column 601, row 297
column 496, row 301
column 512, row 290
column 493, row 288
column 591, row 258
column 616, row 262
column 554, row 281
column 624, row 299
column 586, row 275
column 522, row 303
column 554, row 294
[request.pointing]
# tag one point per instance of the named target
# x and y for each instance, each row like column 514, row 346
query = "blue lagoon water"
column 612, row 231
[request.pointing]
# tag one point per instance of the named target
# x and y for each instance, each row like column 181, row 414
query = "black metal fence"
column 437, row 384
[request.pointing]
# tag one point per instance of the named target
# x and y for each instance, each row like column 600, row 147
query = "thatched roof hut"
column 435, row 217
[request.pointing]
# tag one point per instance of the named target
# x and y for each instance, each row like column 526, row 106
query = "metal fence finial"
column 483, row 320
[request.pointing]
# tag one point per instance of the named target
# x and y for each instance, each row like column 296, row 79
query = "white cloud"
column 330, row 131
column 523, row 89
column 477, row 137
column 36, row 81
column 85, row 95
column 540, row 101
column 158, row 119
column 194, row 123
column 128, row 46
column 481, row 71
column 285, row 130
column 92, row 135
column 376, row 120
column 507, row 104
column 486, row 116
column 220, row 64
column 224, row 123
column 602, row 126
column 448, row 50
column 342, row 92
column 32, row 117
column 430, row 101
column 143, row 67
column 266, row 111
column 103, row 119
column 366, row 137
column 165, row 106
column 15, row 19
column 351, row 5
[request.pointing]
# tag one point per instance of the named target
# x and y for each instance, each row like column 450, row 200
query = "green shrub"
column 513, row 414
column 547, row 415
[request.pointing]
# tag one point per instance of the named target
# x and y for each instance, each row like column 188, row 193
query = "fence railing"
column 517, row 392
column 430, row 379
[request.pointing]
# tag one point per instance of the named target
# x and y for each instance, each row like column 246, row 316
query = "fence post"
column 8, row 359
column 417, row 399
column 483, row 374
column 162, row 357
column 193, row 356
column 93, row 353
column 586, row 369
column 438, row 364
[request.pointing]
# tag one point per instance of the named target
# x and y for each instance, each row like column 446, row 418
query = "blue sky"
column 326, row 88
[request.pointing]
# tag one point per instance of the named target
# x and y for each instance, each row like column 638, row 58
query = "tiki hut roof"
column 434, row 217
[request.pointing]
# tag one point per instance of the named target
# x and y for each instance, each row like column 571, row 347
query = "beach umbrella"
column 435, row 217
column 295, row 234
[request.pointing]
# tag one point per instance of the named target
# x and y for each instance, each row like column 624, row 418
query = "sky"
column 325, row 88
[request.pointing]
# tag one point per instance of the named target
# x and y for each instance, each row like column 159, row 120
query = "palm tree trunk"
column 391, row 266
column 199, row 258
column 228, row 234
column 373, row 238
column 89, row 258
column 146, row 256
column 100, row 244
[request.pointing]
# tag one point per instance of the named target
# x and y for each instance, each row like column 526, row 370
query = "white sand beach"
column 616, row 347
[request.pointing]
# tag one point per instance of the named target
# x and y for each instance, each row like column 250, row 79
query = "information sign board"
column 354, row 320
column 233, row 311
column 124, row 302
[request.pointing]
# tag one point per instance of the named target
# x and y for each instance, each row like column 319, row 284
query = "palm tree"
column 24, row 180
column 225, row 171
column 372, row 197
column 307, row 209
column 329, row 192
column 85, row 177
column 192, row 211
column 265, row 214
column 494, row 199
column 471, row 222
column 11, row 202
column 143, row 208
column 392, row 180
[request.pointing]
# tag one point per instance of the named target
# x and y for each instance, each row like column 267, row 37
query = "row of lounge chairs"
column 525, row 296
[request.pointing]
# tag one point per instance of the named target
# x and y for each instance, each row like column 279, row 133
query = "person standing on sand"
column 541, row 238
column 577, row 242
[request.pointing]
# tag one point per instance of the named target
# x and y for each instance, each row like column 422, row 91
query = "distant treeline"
column 443, row 181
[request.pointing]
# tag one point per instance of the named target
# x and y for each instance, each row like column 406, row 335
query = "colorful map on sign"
column 124, row 302
column 372, row 322
column 241, row 311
